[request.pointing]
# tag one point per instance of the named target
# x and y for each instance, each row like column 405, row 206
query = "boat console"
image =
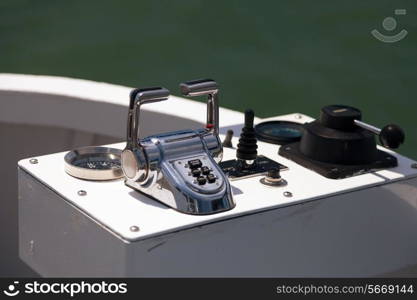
column 283, row 196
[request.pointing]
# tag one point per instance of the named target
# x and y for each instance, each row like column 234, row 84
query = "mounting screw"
column 287, row 194
column 33, row 161
column 31, row 247
column 134, row 228
column 298, row 116
column 414, row 165
column 81, row 193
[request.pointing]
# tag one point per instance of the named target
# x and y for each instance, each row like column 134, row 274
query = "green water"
column 276, row 57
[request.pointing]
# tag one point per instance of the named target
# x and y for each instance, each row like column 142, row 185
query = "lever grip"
column 148, row 95
column 199, row 87
column 249, row 116
column 392, row 136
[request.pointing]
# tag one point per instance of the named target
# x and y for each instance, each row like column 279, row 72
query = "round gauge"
column 279, row 132
column 94, row 163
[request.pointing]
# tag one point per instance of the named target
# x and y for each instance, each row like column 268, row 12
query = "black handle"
column 391, row 136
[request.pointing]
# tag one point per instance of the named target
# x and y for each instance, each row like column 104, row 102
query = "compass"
column 279, row 132
column 94, row 163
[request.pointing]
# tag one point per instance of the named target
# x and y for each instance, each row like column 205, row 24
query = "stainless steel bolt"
column 31, row 247
column 81, row 193
column 33, row 161
column 134, row 228
column 287, row 194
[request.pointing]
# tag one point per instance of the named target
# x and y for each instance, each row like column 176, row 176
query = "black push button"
column 201, row 180
column 194, row 163
column 205, row 170
column 211, row 178
column 196, row 172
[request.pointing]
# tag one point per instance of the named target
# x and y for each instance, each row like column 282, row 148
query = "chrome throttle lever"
column 137, row 98
column 205, row 87
column 134, row 161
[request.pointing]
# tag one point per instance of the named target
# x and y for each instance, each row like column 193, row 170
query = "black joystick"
column 248, row 162
column 247, row 147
